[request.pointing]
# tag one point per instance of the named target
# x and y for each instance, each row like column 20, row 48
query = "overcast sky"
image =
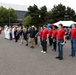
column 48, row 3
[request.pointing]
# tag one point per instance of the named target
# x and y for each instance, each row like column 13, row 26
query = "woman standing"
column 73, row 40
column 25, row 34
column 10, row 33
column 21, row 35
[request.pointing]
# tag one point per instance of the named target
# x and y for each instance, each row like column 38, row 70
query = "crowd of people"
column 56, row 37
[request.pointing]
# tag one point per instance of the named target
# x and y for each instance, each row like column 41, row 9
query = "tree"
column 33, row 11
column 58, row 12
column 61, row 12
column 27, row 21
column 38, row 15
column 7, row 15
column 49, row 17
column 43, row 14
column 12, row 15
column 70, row 13
column 3, row 15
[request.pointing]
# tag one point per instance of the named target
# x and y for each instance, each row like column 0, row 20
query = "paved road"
column 16, row 59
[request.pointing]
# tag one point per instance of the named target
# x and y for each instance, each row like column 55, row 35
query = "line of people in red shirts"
column 57, row 37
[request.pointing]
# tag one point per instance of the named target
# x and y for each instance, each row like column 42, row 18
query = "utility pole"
column 9, row 17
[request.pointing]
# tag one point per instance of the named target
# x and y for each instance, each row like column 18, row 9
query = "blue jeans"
column 73, row 46
column 60, row 48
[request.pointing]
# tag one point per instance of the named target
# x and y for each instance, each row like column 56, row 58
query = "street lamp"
column 9, row 17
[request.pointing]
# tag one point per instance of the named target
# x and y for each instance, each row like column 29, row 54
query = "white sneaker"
column 42, row 51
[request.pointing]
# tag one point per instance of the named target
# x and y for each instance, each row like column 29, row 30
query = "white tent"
column 65, row 23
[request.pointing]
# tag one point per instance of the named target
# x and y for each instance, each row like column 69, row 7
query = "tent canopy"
column 65, row 23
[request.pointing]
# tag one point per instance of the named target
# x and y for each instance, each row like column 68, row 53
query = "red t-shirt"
column 45, row 32
column 54, row 34
column 0, row 31
column 50, row 32
column 41, row 32
column 73, row 33
column 60, row 34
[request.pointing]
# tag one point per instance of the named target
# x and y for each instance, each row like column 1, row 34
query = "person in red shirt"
column 41, row 32
column 54, row 36
column 44, row 39
column 73, row 40
column 61, row 41
column 0, row 30
column 50, row 36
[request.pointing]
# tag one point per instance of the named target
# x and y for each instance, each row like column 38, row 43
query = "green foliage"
column 62, row 12
column 38, row 15
column 27, row 21
column 6, row 14
column 12, row 14
column 42, row 16
column 3, row 15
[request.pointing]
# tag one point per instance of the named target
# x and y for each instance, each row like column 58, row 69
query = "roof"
column 14, row 6
column 65, row 23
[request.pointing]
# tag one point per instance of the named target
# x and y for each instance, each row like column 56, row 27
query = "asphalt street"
column 17, row 59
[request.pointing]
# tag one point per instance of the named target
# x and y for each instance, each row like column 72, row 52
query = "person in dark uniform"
column 16, row 34
column 32, row 36
column 25, row 34
column 10, row 33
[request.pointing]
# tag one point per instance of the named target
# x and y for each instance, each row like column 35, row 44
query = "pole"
column 9, row 17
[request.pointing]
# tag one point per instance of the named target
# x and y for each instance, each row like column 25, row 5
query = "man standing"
column 61, row 41
column 54, row 36
column 73, row 40
column 50, row 36
column 41, row 32
column 32, row 36
column 44, row 39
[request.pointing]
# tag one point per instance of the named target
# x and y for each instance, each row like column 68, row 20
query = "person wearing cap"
column 73, row 40
column 44, row 39
column 32, row 36
column 61, row 41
